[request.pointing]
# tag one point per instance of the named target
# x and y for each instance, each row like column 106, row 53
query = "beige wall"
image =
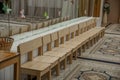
column 113, row 17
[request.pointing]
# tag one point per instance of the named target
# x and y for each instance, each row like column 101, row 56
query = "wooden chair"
column 74, row 31
column 88, row 38
column 82, row 40
column 33, row 67
column 51, row 52
column 58, row 47
column 80, row 28
column 63, row 47
column 54, row 61
column 92, row 23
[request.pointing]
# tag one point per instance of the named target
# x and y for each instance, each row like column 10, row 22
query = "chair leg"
column 75, row 55
column 84, row 48
column 70, row 59
column 38, row 77
column 92, row 41
column 80, row 51
column 29, row 77
column 87, row 45
column 49, row 75
column 58, row 69
column 65, row 62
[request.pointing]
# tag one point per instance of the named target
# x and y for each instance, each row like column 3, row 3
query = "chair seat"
column 55, row 54
column 35, row 65
column 62, row 49
column 67, row 45
column 47, row 59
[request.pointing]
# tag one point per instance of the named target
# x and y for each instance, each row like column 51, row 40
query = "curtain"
column 54, row 8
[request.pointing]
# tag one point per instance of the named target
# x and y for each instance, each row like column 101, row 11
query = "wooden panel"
column 74, row 28
column 14, row 30
column 53, row 21
column 30, row 45
column 61, row 33
column 62, row 19
column 54, row 36
column 56, row 44
column 24, row 29
column 50, row 22
column 46, row 23
column 25, row 47
column 33, row 27
column 88, row 22
column 39, row 25
column 66, row 31
column 37, row 43
column 68, row 17
column 58, row 20
column 46, row 39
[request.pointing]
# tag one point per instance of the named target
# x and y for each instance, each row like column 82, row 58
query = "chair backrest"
column 4, row 32
column 88, row 24
column 14, row 30
column 62, row 19
column 46, row 39
column 74, row 31
column 53, row 21
column 55, row 39
column 85, row 27
column 50, row 22
column 93, row 22
column 33, row 26
column 57, row 20
column 65, row 18
column 64, row 35
column 39, row 25
column 80, row 27
column 61, row 36
column 24, row 29
column 45, row 23
column 67, row 34
column 29, row 46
